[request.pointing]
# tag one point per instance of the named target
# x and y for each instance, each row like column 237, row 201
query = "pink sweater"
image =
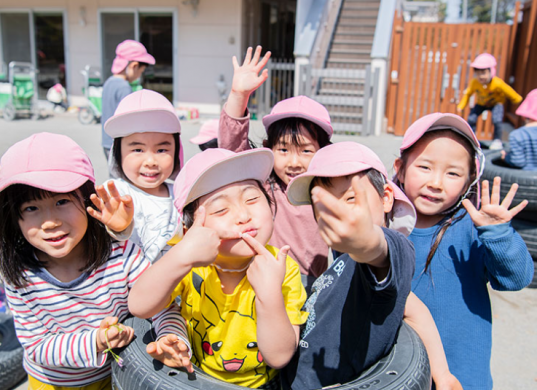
column 293, row 225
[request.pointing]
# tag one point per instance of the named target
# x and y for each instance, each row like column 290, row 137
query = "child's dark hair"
column 190, row 209
column 376, row 178
column 292, row 127
column 117, row 155
column 209, row 144
column 17, row 255
column 473, row 172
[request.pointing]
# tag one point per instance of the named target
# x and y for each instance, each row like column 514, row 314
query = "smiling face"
column 290, row 158
column 147, row 160
column 436, row 174
column 241, row 208
column 55, row 227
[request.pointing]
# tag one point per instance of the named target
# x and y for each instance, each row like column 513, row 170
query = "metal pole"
column 464, row 10
column 494, row 11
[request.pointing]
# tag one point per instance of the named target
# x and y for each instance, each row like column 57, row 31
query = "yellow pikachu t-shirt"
column 223, row 327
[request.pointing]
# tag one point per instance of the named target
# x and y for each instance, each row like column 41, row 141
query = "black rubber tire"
column 526, row 180
column 533, row 283
column 405, row 368
column 528, row 232
column 11, row 353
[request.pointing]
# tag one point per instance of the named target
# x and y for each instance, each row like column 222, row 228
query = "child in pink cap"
column 146, row 153
column 207, row 137
column 460, row 248
column 241, row 297
column 491, row 93
column 365, row 217
column 296, row 129
column 132, row 59
column 523, row 142
column 66, row 281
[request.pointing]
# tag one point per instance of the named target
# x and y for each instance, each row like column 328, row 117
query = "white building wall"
column 205, row 41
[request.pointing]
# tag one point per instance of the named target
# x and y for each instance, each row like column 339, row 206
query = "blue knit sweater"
column 455, row 289
column 523, row 148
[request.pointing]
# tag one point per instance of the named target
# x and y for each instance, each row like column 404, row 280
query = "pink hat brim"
column 201, row 139
column 271, row 118
column 142, row 121
column 404, row 214
column 53, row 181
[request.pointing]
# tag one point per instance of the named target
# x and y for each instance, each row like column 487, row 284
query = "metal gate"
column 431, row 68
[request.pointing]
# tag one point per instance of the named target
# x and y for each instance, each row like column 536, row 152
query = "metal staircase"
column 350, row 51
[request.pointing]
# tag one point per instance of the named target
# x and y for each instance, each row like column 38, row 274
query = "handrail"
column 383, row 32
column 311, row 16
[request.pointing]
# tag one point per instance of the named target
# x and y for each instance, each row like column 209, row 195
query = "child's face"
column 437, row 173
column 482, row 75
column 134, row 71
column 291, row 160
column 55, row 227
column 341, row 188
column 147, row 160
column 241, row 208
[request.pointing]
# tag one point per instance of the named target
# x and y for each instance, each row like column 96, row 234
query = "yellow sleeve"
column 180, row 288
column 509, row 92
column 466, row 95
column 294, row 294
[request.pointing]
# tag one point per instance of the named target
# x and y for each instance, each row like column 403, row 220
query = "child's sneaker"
column 496, row 145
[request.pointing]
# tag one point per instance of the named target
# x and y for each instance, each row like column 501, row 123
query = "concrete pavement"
column 514, row 355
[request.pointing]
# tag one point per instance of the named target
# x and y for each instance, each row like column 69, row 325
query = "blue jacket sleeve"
column 508, row 264
column 516, row 156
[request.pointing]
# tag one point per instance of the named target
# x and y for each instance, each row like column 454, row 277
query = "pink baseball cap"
column 208, row 131
column 444, row 121
column 130, row 50
column 300, row 107
column 215, row 168
column 485, row 61
column 528, row 108
column 52, row 162
column 143, row 111
column 347, row 158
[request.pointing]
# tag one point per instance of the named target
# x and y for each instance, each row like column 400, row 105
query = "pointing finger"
column 199, row 217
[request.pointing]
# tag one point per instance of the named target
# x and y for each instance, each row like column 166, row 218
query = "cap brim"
column 53, row 181
column 403, row 212
column 142, row 121
column 453, row 122
column 271, row 118
column 201, row 139
column 255, row 164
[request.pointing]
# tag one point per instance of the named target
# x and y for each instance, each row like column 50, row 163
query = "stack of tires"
column 525, row 222
column 11, row 352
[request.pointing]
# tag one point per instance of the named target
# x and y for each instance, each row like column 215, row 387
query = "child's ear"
column 388, row 198
column 397, row 165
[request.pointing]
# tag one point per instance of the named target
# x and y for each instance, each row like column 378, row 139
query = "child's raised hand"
column 112, row 334
column 170, row 350
column 493, row 212
column 348, row 228
column 246, row 77
column 114, row 211
column 266, row 273
column 203, row 242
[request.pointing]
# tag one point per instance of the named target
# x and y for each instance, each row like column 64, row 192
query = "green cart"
column 18, row 92
column 93, row 91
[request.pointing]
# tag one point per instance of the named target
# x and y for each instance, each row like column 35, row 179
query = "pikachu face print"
column 223, row 332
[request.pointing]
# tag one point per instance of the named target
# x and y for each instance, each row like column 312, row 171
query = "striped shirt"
column 523, row 148
column 57, row 322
